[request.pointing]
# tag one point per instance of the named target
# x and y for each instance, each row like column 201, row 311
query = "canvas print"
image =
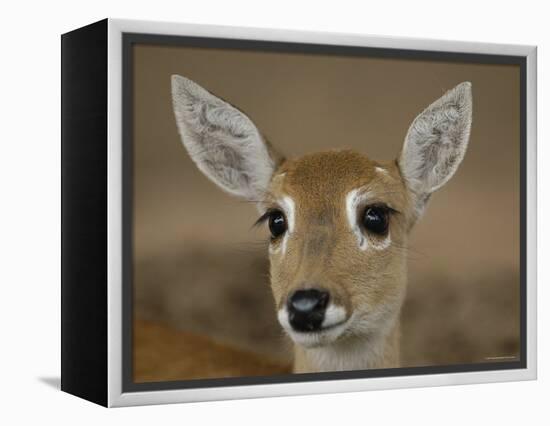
column 298, row 212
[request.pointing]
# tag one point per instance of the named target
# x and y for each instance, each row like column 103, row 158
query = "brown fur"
column 162, row 353
column 323, row 251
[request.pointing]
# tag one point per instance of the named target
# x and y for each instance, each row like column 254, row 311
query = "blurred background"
column 202, row 303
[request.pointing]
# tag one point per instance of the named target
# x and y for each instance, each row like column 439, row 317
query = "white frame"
column 114, row 213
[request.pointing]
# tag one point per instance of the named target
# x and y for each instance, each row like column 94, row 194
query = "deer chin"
column 328, row 334
column 323, row 337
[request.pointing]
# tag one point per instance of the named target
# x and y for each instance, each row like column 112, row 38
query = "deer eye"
column 277, row 223
column 375, row 219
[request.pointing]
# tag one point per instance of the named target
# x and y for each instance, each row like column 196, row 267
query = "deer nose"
column 306, row 309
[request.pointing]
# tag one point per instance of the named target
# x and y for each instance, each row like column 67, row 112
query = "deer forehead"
column 317, row 188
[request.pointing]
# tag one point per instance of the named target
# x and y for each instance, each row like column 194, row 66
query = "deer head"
column 339, row 221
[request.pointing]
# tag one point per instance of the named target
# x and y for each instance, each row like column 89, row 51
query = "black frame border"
column 131, row 39
column 84, row 147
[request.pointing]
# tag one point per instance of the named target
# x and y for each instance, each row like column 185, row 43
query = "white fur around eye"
column 288, row 207
column 353, row 199
column 382, row 245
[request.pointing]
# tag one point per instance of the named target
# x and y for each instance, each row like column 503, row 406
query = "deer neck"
column 378, row 351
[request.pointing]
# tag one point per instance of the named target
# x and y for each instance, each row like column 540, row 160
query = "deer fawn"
column 339, row 221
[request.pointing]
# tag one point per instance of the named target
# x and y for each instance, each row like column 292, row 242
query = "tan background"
column 200, row 267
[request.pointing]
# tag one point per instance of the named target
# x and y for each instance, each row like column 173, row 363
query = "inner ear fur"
column 436, row 143
column 223, row 142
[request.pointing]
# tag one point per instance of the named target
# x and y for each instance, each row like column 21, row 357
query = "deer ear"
column 222, row 141
column 436, row 143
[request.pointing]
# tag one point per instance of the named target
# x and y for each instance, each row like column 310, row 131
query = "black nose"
column 306, row 309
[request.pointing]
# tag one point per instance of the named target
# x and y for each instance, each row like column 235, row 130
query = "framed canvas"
column 252, row 212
